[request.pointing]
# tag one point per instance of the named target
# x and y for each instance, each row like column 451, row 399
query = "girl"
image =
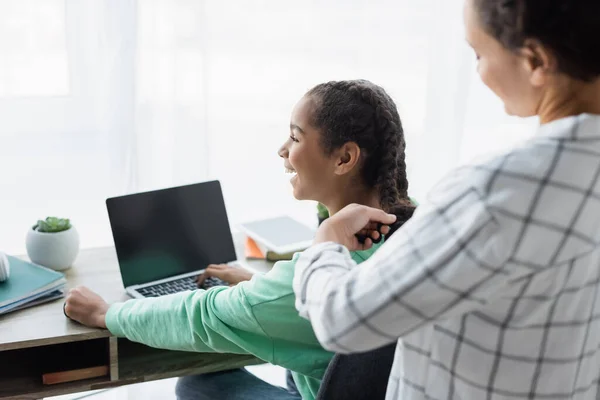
column 346, row 145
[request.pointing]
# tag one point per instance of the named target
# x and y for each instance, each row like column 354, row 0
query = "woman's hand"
column 224, row 272
column 354, row 219
column 86, row 307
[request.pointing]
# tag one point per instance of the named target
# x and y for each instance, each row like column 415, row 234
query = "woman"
column 493, row 284
column 346, row 145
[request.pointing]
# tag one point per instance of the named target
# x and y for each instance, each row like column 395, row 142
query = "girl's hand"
column 227, row 273
column 86, row 307
column 354, row 219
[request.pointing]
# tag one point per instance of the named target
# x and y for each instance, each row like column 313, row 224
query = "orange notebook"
column 252, row 251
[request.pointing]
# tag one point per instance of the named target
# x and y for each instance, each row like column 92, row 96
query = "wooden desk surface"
column 45, row 325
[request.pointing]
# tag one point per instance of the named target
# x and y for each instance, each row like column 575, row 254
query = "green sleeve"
column 216, row 320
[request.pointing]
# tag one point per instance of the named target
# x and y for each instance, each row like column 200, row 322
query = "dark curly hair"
column 361, row 112
column 569, row 28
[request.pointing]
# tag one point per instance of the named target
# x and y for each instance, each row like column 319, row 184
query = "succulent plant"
column 52, row 225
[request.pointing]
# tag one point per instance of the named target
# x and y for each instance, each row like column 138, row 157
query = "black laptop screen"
column 169, row 232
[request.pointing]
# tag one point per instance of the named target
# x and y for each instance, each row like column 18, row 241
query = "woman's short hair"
column 568, row 28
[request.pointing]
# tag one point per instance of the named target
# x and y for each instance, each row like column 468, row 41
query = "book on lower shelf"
column 29, row 284
column 52, row 378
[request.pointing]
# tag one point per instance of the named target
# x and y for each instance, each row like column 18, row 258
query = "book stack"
column 276, row 239
column 28, row 285
column 255, row 251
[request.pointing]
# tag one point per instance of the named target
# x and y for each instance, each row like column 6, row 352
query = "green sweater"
column 256, row 317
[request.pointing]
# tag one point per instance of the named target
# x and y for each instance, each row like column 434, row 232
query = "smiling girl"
column 346, row 145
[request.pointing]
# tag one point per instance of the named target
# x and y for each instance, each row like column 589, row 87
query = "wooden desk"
column 40, row 339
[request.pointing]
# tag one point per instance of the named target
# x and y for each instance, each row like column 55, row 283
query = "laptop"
column 165, row 238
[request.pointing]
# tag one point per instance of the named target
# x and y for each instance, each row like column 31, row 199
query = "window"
column 106, row 97
column 33, row 45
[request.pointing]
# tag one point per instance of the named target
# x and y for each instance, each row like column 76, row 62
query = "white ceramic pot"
column 56, row 250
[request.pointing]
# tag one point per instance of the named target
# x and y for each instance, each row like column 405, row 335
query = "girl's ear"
column 346, row 158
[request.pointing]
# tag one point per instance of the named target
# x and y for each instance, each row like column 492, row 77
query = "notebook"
column 40, row 298
column 281, row 235
column 28, row 282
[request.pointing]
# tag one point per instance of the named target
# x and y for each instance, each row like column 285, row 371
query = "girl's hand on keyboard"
column 227, row 273
column 86, row 307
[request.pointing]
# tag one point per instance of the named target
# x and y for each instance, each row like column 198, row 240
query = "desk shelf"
column 129, row 363
column 23, row 368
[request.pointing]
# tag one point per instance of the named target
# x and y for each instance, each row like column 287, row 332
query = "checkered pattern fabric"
column 491, row 289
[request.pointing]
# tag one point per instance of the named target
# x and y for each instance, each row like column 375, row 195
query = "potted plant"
column 53, row 243
column 322, row 213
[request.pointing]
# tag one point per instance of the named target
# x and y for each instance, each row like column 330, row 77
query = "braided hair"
column 361, row 112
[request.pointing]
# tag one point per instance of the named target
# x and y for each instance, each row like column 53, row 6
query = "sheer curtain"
column 107, row 97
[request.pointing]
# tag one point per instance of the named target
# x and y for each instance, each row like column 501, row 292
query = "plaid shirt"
column 491, row 287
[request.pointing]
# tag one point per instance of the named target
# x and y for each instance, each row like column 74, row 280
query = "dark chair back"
column 358, row 376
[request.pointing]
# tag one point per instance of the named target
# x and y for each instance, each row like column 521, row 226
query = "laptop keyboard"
column 179, row 285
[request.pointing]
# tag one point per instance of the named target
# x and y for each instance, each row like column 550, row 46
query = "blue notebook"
column 28, row 282
column 27, row 302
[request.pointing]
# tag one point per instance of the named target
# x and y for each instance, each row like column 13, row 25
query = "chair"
column 358, row 376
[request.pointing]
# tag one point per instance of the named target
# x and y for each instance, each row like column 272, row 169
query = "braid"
column 401, row 173
column 402, row 178
column 385, row 160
